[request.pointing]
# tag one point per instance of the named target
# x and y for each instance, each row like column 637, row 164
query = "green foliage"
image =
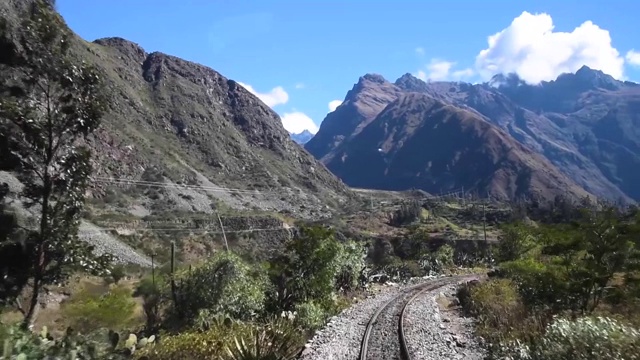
column 86, row 311
column 210, row 344
column 570, row 268
column 277, row 340
column 117, row 272
column 310, row 315
column 23, row 344
column 223, row 284
column 407, row 214
column 151, row 291
column 314, row 266
column 438, row 261
column 583, row 338
column 45, row 112
column 516, row 242
column 350, row 263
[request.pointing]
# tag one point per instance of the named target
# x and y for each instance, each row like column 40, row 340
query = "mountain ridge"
column 175, row 122
column 505, row 101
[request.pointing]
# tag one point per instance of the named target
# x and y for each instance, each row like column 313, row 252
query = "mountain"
column 418, row 141
column 586, row 125
column 302, row 138
column 360, row 106
column 199, row 140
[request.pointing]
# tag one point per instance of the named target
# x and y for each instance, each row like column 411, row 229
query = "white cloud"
column 440, row 70
column 296, row 122
column 633, row 57
column 277, row 95
column 300, row 86
column 530, row 48
column 333, row 105
column 420, row 51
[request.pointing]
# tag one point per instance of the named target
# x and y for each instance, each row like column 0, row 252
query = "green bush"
column 117, row 273
column 311, row 315
column 225, row 284
column 582, row 339
column 496, row 303
column 86, row 311
column 278, row 339
column 350, row 262
column 26, row 345
column 193, row 345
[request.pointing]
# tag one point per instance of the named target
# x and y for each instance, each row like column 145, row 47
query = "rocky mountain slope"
column 198, row 140
column 420, row 142
column 584, row 124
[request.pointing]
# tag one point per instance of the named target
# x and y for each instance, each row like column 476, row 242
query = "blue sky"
column 300, row 55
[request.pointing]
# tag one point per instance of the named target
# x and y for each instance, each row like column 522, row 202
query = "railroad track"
column 384, row 337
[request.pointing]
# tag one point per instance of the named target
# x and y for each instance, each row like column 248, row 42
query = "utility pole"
column 224, row 236
column 153, row 269
column 484, row 221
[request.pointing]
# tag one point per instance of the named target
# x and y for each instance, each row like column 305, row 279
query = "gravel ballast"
column 428, row 336
column 432, row 332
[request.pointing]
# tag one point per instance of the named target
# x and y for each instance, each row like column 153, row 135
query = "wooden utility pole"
column 153, row 270
column 224, row 236
column 484, row 222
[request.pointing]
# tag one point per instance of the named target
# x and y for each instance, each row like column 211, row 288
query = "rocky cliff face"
column 200, row 140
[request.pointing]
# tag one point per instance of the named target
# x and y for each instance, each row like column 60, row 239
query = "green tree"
column 515, row 242
column 47, row 108
column 307, row 271
column 224, row 284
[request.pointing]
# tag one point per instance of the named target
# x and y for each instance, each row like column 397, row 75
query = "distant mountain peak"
column 372, row 77
column 409, row 82
column 302, row 137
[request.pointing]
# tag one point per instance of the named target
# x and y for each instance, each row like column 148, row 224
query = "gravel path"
column 341, row 338
column 435, row 331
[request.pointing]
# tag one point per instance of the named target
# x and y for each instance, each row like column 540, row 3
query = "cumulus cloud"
column 530, row 48
column 633, row 57
column 276, row 96
column 333, row 105
column 296, row 122
column 440, row 70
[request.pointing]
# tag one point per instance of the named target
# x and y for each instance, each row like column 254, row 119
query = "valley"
column 153, row 208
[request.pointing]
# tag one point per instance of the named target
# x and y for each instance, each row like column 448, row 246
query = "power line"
column 185, row 229
column 157, row 184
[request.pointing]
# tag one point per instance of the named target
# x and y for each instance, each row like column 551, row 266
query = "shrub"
column 499, row 310
column 224, row 284
column 86, row 311
column 311, row 315
column 308, row 271
column 350, row 262
column 193, row 345
column 439, row 260
column 117, row 273
column 584, row 338
column 407, row 214
column 277, row 340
